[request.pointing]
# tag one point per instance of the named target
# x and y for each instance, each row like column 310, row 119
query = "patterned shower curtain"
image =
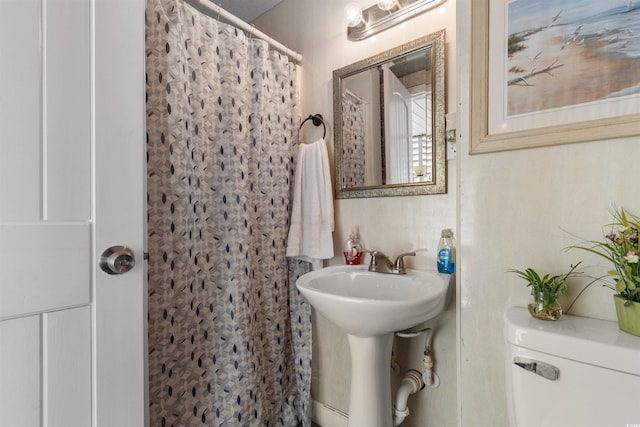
column 353, row 142
column 229, row 344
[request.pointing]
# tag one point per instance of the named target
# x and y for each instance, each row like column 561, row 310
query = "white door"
column 72, row 338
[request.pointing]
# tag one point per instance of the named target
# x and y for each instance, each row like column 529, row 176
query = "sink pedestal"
column 370, row 398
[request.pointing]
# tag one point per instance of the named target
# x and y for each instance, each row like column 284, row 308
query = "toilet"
column 574, row 372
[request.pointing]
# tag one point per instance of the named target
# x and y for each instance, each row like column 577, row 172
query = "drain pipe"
column 411, row 383
column 414, row 380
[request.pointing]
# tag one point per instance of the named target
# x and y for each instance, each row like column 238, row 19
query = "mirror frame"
column 439, row 186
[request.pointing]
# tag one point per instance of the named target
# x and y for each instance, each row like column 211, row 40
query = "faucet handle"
column 374, row 256
column 399, row 264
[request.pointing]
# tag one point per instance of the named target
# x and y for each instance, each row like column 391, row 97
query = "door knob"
column 117, row 260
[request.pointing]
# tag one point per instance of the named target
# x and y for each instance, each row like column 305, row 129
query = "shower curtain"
column 229, row 335
column 353, row 142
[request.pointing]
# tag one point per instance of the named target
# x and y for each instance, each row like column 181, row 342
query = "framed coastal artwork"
column 547, row 72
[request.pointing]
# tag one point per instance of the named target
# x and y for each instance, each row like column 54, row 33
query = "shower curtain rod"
column 214, row 10
column 354, row 96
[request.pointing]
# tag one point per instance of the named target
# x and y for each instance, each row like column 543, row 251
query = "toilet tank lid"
column 593, row 341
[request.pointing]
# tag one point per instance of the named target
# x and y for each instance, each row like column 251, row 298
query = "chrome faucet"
column 382, row 264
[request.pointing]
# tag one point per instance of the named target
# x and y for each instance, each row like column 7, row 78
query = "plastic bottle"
column 446, row 252
column 353, row 249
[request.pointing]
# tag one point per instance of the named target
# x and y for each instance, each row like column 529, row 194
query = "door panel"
column 45, row 98
column 50, row 354
column 72, row 338
column 20, row 110
column 66, row 337
column 20, row 372
column 45, row 266
column 67, row 130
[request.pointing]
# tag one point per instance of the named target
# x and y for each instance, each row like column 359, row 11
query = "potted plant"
column 622, row 249
column 545, row 291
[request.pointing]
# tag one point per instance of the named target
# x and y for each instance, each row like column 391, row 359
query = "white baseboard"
column 327, row 416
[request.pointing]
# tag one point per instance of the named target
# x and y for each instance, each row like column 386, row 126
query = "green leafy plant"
column 545, row 291
column 548, row 284
column 622, row 249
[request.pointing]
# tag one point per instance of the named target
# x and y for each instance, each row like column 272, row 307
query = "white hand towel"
column 312, row 213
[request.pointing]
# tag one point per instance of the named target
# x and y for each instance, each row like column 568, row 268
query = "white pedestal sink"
column 370, row 307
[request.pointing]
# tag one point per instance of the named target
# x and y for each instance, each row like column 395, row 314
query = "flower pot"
column 628, row 315
column 545, row 306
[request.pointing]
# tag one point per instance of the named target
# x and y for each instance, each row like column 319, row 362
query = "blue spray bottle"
column 446, row 252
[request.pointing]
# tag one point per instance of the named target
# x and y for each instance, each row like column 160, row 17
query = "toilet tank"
column 574, row 372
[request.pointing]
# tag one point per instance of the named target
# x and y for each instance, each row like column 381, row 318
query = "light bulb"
column 387, row 4
column 353, row 14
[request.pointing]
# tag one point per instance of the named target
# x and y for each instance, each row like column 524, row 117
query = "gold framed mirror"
column 389, row 115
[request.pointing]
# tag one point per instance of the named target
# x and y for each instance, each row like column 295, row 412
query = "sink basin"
column 370, row 307
column 366, row 303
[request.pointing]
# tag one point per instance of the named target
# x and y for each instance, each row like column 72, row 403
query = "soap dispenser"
column 353, row 248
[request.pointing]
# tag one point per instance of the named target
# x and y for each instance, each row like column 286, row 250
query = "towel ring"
column 317, row 120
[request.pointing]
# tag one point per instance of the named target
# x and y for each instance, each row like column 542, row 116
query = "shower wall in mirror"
column 389, row 115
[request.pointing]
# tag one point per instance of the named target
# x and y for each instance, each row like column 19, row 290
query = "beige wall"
column 515, row 210
column 510, row 210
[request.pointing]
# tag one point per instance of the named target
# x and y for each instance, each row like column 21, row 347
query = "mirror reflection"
column 390, row 122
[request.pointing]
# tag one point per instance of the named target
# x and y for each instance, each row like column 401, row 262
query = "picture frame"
column 600, row 123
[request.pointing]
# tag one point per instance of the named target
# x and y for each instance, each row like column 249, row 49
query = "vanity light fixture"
column 387, row 4
column 382, row 15
column 353, row 15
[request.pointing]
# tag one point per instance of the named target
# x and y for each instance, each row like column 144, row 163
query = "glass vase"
column 545, row 306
